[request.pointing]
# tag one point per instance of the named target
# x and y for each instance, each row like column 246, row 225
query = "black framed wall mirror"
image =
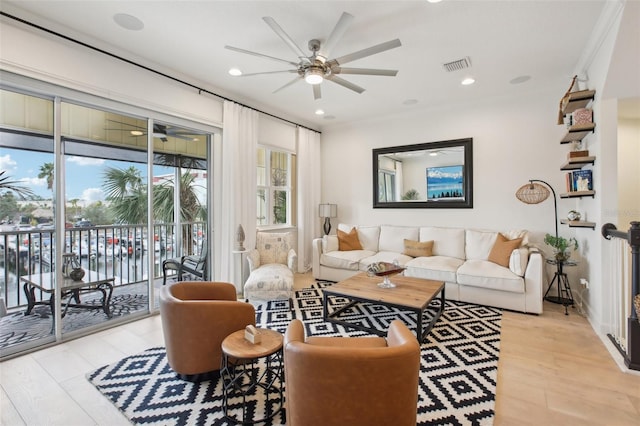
column 426, row 175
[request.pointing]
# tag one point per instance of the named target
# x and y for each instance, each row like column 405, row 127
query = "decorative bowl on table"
column 385, row 270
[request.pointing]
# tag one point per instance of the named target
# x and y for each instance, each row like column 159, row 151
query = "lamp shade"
column 328, row 210
column 532, row 193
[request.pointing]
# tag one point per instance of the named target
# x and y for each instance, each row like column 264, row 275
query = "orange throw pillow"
column 350, row 241
column 418, row 248
column 501, row 250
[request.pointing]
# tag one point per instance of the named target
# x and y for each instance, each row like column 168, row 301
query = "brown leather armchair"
column 196, row 317
column 351, row 380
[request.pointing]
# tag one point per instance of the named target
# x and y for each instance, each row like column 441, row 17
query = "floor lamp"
column 535, row 193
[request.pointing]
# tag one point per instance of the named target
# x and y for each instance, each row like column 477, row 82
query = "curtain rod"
column 144, row 67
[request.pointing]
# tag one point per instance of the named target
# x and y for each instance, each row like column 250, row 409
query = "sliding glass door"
column 96, row 195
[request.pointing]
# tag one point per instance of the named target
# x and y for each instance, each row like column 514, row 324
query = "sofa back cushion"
column 446, row 241
column 392, row 237
column 368, row 235
column 479, row 244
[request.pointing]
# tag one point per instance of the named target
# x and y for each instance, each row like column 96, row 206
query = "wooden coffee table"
column 410, row 294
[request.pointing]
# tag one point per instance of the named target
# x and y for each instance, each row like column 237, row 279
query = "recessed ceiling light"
column 434, row 1
column 520, row 79
column 410, row 102
column 235, row 72
column 467, row 81
column 128, row 22
column 319, row 112
column 137, row 133
column 433, row 154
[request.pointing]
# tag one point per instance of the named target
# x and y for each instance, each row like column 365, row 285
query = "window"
column 276, row 176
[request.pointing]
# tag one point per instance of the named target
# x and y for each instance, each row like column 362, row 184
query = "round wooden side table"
column 251, row 371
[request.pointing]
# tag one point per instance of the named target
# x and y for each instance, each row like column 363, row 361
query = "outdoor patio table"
column 93, row 281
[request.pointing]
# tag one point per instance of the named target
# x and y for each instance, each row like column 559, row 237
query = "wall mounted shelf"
column 576, row 100
column 577, row 132
column 578, row 223
column 578, row 194
column 577, row 163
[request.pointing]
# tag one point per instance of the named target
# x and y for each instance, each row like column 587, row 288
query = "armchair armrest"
column 292, row 260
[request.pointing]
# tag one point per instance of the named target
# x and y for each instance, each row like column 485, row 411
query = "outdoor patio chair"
column 195, row 265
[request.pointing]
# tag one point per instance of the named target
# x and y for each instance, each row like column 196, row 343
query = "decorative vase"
column 562, row 256
column 240, row 238
column 573, row 215
column 71, row 267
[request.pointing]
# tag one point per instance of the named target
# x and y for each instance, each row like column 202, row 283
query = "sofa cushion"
column 482, row 273
column 478, row 244
column 330, row 243
column 440, row 268
column 519, row 260
column 392, row 237
column 369, row 236
column 418, row 248
column 348, row 241
column 384, row 256
column 446, row 241
column 501, row 250
column 344, row 259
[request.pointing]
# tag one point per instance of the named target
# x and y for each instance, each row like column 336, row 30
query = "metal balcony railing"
column 115, row 250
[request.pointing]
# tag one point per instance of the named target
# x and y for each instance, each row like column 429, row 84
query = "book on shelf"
column 579, row 180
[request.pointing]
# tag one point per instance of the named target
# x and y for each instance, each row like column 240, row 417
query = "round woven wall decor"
column 532, row 193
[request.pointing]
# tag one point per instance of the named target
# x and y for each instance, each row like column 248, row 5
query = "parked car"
column 83, row 224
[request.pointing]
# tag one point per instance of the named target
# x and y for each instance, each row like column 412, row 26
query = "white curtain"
column 308, row 194
column 238, row 190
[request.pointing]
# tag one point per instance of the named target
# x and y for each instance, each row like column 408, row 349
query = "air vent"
column 460, row 64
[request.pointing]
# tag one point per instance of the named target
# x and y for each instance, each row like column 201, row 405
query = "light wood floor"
column 553, row 370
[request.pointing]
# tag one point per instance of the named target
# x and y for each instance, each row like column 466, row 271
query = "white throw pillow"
column 518, row 261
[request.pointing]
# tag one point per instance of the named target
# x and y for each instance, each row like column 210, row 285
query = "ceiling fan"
column 160, row 131
column 317, row 67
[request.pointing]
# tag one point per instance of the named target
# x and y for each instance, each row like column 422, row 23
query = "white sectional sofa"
column 459, row 258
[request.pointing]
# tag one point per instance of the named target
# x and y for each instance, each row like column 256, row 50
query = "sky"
column 83, row 175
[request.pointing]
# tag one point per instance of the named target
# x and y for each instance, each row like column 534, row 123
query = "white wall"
column 513, row 140
column 628, row 171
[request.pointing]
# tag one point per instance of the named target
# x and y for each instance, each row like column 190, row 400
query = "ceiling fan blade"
column 285, row 37
column 364, row 71
column 366, row 52
column 295, row 80
column 268, row 72
column 317, row 94
column 335, row 36
column 248, row 52
column 345, row 83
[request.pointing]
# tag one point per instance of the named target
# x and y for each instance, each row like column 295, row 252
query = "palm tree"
column 127, row 194
column 46, row 172
column 190, row 208
column 6, row 184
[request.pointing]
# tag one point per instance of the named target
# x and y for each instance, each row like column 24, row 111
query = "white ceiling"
column 504, row 40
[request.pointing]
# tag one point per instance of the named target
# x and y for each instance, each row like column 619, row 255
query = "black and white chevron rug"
column 457, row 374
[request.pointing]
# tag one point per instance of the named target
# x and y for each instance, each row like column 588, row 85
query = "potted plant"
column 561, row 246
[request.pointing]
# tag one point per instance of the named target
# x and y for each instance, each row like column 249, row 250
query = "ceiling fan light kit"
column 317, row 67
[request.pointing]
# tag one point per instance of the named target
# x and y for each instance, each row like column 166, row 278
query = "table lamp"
column 327, row 211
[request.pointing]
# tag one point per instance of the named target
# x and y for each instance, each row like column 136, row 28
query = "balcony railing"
column 115, row 250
